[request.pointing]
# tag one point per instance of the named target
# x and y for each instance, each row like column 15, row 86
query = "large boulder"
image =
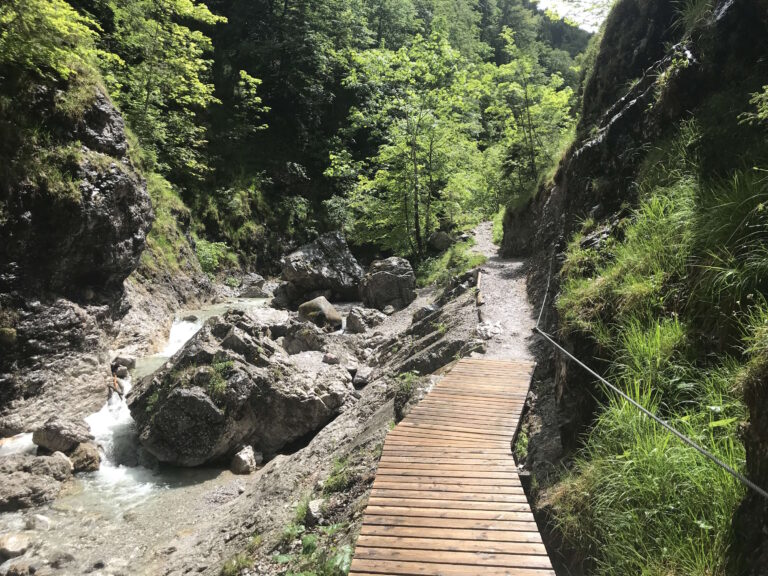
column 440, row 240
column 389, row 282
column 213, row 398
column 61, row 435
column 361, row 319
column 321, row 313
column 253, row 287
column 27, row 481
column 324, row 267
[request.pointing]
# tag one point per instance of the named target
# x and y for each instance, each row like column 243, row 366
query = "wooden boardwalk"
column 447, row 499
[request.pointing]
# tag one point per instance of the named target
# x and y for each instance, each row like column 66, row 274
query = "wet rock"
column 85, row 457
column 208, row 401
column 59, row 435
column 13, row 545
column 362, row 377
column 440, row 240
column 389, row 282
column 128, row 361
column 121, row 372
column 253, row 287
column 244, row 462
column 321, row 313
column 360, row 320
column 323, row 267
column 331, row 359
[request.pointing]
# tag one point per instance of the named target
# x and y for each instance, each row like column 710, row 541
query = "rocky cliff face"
column 649, row 75
column 75, row 217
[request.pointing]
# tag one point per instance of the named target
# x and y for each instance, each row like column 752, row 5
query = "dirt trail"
column 508, row 317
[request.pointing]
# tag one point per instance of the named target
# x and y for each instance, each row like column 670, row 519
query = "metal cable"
column 701, row 450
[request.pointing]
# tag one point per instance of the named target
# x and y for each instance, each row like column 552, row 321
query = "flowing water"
column 115, row 515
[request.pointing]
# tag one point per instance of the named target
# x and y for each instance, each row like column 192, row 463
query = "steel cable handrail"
column 682, row 437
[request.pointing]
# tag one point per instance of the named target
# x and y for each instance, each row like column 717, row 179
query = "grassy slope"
column 675, row 299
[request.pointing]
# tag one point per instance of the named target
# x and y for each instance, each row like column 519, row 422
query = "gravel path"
column 508, row 318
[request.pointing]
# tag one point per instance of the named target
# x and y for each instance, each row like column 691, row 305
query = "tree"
column 162, row 81
column 47, row 38
column 420, row 110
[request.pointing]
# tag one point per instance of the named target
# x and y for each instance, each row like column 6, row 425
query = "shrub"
column 339, row 479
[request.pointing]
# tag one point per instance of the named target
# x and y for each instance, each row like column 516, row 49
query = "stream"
column 105, row 521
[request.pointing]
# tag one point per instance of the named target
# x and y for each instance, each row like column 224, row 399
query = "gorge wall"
column 663, row 78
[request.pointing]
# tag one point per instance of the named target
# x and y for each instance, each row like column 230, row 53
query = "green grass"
column 166, row 242
column 235, row 565
column 453, row 262
column 674, row 304
column 641, row 502
column 498, row 227
column 339, row 479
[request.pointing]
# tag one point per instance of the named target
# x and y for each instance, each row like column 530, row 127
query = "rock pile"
column 233, row 386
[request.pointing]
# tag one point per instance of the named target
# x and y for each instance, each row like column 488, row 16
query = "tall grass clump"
column 641, row 502
column 673, row 301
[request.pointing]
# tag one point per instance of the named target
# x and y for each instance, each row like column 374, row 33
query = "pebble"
column 13, row 545
column 38, row 522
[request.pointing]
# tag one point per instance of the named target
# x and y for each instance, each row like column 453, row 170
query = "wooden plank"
column 447, row 499
column 452, row 533
column 443, row 495
column 365, row 567
column 443, row 556
column 451, row 545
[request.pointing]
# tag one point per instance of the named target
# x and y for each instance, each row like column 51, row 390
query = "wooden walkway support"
column 447, row 499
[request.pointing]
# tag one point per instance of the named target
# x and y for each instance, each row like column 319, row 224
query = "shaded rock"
column 323, row 267
column 13, row 545
column 85, row 457
column 208, row 401
column 253, row 287
column 244, row 462
column 59, row 435
column 303, row 337
column 8, row 337
column 362, row 377
column 424, row 312
column 314, row 512
column 389, row 282
column 322, row 313
column 389, row 310
column 127, row 361
column 440, row 240
column 121, row 372
column 331, row 359
column 22, row 568
column 361, row 319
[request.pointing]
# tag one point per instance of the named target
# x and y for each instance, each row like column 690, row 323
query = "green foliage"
column 453, row 262
column 161, row 78
column 46, row 37
column 692, row 13
column 642, row 502
column 167, row 246
column 292, row 532
column 234, row 566
column 302, row 509
column 213, row 256
column 760, row 101
column 339, row 479
column 675, row 302
column 498, row 227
